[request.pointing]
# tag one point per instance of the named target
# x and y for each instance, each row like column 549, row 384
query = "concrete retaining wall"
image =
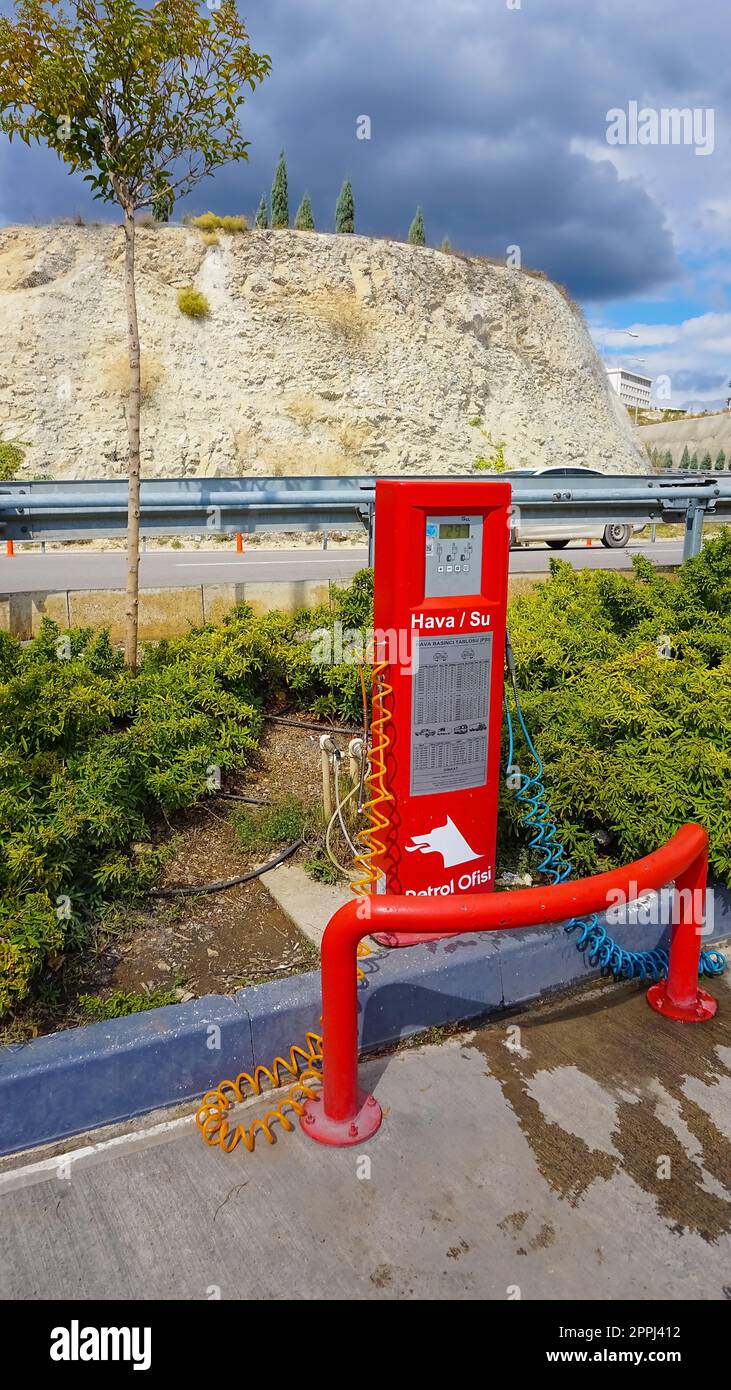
column 163, row 612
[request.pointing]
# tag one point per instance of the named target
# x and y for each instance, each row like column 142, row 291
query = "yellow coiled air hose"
column 376, row 780
column 305, row 1064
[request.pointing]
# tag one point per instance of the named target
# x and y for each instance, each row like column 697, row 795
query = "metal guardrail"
column 66, row 511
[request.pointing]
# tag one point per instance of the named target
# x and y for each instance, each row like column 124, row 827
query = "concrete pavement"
column 76, row 571
column 577, row 1150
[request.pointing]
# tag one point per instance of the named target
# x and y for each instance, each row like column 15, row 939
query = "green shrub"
column 90, row 755
column 211, row 222
column 494, row 461
column 626, row 684
column 11, row 458
column 192, row 302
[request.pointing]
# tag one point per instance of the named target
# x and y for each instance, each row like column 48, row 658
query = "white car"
column 557, row 534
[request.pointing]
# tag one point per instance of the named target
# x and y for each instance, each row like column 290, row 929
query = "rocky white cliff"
column 320, row 354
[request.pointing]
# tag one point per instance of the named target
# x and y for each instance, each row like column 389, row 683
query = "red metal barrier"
column 343, row 1114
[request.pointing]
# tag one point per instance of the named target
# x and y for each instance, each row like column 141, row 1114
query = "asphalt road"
column 172, row 569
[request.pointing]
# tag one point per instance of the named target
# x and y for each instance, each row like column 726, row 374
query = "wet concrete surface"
column 578, row 1150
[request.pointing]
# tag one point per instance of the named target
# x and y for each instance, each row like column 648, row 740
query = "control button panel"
column 453, row 547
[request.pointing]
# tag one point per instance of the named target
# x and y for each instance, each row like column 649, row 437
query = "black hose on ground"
column 222, row 884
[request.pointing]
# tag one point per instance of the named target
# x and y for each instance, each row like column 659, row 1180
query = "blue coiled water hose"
column 601, row 949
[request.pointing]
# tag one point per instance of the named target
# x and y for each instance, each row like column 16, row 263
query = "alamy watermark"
column 664, row 908
column 648, row 125
column 355, row 646
column 81, row 1343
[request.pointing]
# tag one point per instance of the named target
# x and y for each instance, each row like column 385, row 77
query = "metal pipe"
column 342, row 1114
column 693, row 540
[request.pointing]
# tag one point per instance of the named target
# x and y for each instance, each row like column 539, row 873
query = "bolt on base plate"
column 704, row 1007
column 336, row 1133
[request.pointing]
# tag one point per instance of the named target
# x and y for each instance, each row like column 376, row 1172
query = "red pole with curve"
column 343, row 1113
column 679, row 996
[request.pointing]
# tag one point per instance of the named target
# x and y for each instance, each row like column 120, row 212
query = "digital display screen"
column 454, row 531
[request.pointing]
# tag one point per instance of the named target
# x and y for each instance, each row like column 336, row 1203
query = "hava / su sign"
column 450, row 622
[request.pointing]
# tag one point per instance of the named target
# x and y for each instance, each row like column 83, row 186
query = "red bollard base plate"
column 704, row 1007
column 336, row 1133
column 402, row 938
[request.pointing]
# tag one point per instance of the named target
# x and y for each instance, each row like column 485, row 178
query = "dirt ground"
column 212, row 943
column 219, row 942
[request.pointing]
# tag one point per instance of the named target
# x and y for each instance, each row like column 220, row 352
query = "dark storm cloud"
column 476, row 112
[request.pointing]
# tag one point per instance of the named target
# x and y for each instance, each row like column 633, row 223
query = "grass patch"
column 265, row 828
column 321, row 869
column 121, row 1004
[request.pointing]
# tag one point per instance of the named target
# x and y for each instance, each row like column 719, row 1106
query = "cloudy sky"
column 492, row 114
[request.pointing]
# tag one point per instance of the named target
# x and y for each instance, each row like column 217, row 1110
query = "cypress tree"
column 685, row 458
column 706, row 464
column 163, row 200
column 446, row 246
column 720, row 461
column 304, row 221
column 280, row 196
column 345, row 210
column 262, row 214
column 417, row 232
column 694, row 462
column 668, row 459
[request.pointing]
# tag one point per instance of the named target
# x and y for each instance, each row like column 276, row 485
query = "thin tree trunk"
column 133, row 436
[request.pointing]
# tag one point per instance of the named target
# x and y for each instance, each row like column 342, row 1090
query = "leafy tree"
column 417, row 232
column 144, row 103
column 345, row 209
column 304, row 221
column 262, row 214
column 280, row 195
column 720, row 461
column 685, row 459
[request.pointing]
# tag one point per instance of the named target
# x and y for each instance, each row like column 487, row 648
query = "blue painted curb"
column 82, row 1078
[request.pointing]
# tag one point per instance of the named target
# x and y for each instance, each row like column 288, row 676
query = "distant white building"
column 633, row 390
